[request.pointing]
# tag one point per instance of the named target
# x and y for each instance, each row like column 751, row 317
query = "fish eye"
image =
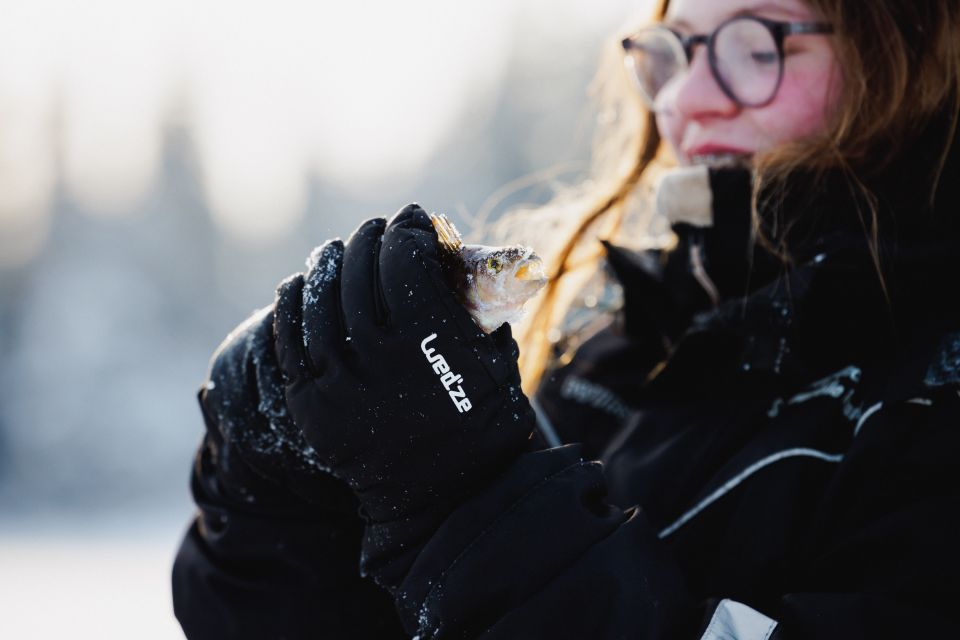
column 493, row 264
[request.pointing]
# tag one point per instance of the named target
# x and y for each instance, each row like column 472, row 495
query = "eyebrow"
column 759, row 8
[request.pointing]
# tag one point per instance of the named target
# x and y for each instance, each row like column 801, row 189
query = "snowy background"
column 162, row 166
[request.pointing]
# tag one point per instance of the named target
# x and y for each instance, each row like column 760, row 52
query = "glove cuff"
column 402, row 518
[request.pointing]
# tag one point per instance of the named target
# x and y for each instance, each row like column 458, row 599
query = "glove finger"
column 323, row 329
column 360, row 290
column 412, row 282
column 287, row 329
column 280, row 443
column 228, row 364
column 503, row 339
column 419, row 299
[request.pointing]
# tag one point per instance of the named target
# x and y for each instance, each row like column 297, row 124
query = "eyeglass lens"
column 746, row 61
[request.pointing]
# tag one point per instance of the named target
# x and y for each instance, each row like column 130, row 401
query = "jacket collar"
column 826, row 311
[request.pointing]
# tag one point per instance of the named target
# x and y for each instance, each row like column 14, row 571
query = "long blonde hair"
column 900, row 61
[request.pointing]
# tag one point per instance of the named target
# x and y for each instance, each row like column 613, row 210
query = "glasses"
column 745, row 55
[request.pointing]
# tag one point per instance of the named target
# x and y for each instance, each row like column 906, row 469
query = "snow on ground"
column 90, row 584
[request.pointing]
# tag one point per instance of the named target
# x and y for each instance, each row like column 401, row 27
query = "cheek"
column 802, row 107
column 670, row 128
column 481, row 293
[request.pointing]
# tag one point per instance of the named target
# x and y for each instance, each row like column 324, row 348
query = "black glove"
column 396, row 388
column 261, row 457
column 274, row 551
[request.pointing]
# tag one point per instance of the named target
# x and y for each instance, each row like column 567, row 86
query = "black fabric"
column 792, row 449
column 395, row 387
column 273, row 570
column 568, row 492
column 249, row 429
column 587, row 400
column 274, row 549
column 793, row 452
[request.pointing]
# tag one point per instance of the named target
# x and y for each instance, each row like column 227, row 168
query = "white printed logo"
column 447, row 377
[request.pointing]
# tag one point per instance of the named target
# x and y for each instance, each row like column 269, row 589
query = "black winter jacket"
column 778, row 466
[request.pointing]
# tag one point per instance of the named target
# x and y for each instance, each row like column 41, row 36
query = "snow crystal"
column 323, row 262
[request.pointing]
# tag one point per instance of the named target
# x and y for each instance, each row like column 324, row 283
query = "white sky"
column 354, row 91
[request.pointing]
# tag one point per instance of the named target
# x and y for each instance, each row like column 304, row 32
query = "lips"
column 531, row 270
column 715, row 149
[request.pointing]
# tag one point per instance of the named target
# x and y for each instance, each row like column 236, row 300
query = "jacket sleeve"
column 541, row 555
column 885, row 556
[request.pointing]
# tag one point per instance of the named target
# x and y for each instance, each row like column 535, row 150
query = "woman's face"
column 703, row 125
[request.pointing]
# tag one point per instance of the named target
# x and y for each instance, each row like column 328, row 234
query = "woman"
column 775, row 408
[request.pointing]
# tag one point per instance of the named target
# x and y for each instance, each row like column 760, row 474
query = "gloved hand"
column 261, row 458
column 274, row 550
column 398, row 391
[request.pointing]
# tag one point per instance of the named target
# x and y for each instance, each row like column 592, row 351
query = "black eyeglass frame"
column 779, row 30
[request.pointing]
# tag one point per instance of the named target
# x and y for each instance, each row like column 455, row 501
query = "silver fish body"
column 492, row 283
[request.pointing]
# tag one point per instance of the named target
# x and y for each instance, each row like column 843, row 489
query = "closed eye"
column 764, row 57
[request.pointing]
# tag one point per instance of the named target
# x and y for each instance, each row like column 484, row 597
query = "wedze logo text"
column 447, row 377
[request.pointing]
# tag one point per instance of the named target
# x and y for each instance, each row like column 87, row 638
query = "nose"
column 696, row 94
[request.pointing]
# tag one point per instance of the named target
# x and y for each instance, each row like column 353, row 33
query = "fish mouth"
column 530, row 270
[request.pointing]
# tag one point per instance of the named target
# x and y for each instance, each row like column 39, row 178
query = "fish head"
column 502, row 277
column 493, row 283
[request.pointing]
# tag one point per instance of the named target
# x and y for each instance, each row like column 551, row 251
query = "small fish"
column 491, row 282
